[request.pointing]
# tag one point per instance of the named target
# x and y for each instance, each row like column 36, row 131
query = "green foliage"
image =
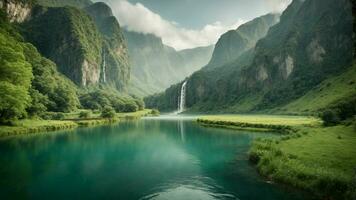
column 98, row 99
column 15, row 79
column 62, row 3
column 108, row 112
column 85, row 114
column 59, row 90
column 38, row 104
column 155, row 112
column 69, row 37
column 330, row 117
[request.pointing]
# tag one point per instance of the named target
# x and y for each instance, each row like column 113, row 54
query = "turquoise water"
column 146, row 159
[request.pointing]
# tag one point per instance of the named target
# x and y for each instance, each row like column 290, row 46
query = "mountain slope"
column 30, row 84
column 311, row 43
column 151, row 59
column 115, row 65
column 234, row 43
column 62, row 3
column 87, row 45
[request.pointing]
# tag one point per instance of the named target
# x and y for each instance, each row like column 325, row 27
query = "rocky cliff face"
column 17, row 10
column 87, row 45
column 69, row 37
column 312, row 41
column 115, row 66
column 234, row 43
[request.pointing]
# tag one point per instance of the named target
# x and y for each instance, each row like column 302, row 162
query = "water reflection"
column 148, row 159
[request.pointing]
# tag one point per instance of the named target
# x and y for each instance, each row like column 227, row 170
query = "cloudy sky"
column 186, row 24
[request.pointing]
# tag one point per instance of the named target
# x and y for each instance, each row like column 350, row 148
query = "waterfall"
column 104, row 68
column 181, row 99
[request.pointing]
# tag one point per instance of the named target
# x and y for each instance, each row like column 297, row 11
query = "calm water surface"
column 147, row 159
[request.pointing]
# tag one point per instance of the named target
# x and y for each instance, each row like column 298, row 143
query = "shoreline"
column 27, row 127
column 303, row 155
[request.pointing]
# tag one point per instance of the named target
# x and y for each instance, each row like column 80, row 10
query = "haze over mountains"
column 311, row 43
column 267, row 64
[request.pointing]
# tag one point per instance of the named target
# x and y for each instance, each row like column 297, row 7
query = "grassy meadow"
column 312, row 157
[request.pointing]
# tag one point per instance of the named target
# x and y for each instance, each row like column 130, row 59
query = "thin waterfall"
column 104, row 67
column 181, row 99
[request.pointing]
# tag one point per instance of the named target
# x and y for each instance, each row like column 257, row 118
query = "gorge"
column 136, row 99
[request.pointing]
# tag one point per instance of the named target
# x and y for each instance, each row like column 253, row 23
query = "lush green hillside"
column 30, row 84
column 115, row 60
column 297, row 54
column 150, row 58
column 61, row 3
column 69, row 37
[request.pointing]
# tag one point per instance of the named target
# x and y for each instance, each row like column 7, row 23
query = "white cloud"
column 278, row 6
column 136, row 17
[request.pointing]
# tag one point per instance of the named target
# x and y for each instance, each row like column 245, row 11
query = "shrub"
column 108, row 112
column 156, row 112
column 84, row 114
column 58, row 116
column 330, row 117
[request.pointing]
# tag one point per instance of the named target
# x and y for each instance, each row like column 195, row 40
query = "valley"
column 131, row 99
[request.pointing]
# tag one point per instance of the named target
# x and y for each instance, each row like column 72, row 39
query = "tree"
column 330, row 117
column 15, row 79
column 84, row 114
column 108, row 112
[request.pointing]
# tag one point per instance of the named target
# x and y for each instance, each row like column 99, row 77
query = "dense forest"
column 54, row 61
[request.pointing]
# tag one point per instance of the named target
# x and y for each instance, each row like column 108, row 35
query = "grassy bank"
column 318, row 159
column 71, row 120
column 259, row 122
column 35, row 126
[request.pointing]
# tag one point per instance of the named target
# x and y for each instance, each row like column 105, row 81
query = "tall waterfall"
column 104, row 67
column 181, row 99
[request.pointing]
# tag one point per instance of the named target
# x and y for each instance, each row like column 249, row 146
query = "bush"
column 156, row 112
column 130, row 106
column 330, row 117
column 108, row 112
column 84, row 114
column 58, row 116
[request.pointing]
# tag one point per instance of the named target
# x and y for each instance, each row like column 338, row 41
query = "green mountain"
column 62, row 3
column 29, row 83
column 87, row 45
column 197, row 57
column 311, row 43
column 115, row 60
column 234, row 43
column 150, row 57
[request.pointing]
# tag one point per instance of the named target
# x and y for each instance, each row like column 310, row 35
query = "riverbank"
column 318, row 159
column 71, row 120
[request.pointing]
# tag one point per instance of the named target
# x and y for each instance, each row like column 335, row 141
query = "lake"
column 153, row 158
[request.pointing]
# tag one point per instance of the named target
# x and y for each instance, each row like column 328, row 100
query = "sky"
column 184, row 24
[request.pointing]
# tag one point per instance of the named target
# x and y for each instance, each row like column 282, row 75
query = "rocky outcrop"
column 69, row 37
column 234, row 43
column 17, row 11
column 115, row 65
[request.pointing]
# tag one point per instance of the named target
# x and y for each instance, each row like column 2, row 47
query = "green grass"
column 33, row 126
column 265, row 119
column 318, row 159
column 325, row 94
column 71, row 120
